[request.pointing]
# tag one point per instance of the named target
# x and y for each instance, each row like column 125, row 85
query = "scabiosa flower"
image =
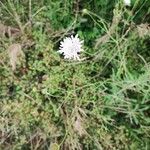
column 127, row 2
column 70, row 47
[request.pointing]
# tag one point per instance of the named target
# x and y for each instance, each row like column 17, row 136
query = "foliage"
column 101, row 102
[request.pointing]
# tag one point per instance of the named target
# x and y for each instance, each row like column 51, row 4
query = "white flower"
column 127, row 2
column 70, row 47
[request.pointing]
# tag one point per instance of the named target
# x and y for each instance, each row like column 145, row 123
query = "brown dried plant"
column 14, row 52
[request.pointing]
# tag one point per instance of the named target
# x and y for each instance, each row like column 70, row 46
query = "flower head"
column 127, row 2
column 70, row 47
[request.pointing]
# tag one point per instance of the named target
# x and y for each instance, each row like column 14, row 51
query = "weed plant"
column 99, row 103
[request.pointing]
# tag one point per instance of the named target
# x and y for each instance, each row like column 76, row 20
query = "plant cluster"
column 98, row 103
